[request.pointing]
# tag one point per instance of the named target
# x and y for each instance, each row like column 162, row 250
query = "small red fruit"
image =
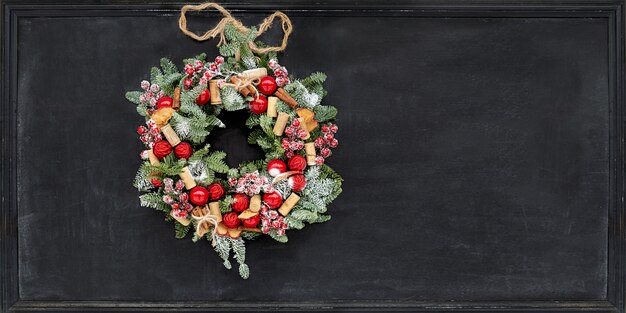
column 297, row 163
column 183, row 150
column 241, row 202
column 267, row 85
column 199, row 195
column 204, row 97
column 216, row 191
column 165, row 102
column 252, row 221
column 275, row 167
column 273, row 200
column 231, row 220
column 258, row 105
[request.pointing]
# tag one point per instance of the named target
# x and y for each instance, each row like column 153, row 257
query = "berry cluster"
column 250, row 184
column 152, row 93
column 270, row 219
column 202, row 72
column 325, row 142
column 149, row 135
column 176, row 198
column 280, row 72
column 295, row 138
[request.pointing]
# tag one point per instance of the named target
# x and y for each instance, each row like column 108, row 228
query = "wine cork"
column 181, row 220
column 214, row 208
column 281, row 123
column 309, row 148
column 256, row 73
column 255, row 203
column 215, row 92
column 304, row 127
column 185, row 175
column 170, row 134
column 289, row 204
column 271, row 107
column 176, row 102
column 153, row 159
column 247, row 214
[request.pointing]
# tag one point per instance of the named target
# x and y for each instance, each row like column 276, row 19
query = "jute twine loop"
column 219, row 28
column 202, row 221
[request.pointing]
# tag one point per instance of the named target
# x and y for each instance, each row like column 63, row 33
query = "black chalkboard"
column 480, row 147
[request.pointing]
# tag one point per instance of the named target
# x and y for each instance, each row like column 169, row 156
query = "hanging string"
column 218, row 30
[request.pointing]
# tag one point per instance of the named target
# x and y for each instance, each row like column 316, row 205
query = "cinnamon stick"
column 176, row 102
column 286, row 98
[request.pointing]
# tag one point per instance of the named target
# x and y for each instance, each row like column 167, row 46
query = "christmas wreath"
column 193, row 185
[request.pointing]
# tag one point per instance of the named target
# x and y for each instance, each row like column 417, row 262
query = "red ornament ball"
column 161, row 149
column 252, row 221
column 165, row 102
column 297, row 182
column 267, row 85
column 216, row 191
column 297, row 163
column 273, row 200
column 199, row 195
column 241, row 204
column 204, row 97
column 231, row 220
column 258, row 105
column 156, row 182
column 183, row 150
column 275, row 167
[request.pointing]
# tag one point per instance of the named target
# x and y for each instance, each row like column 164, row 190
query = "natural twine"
column 206, row 219
column 219, row 28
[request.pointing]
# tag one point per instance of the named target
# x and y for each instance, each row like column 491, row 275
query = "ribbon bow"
column 218, row 30
column 204, row 221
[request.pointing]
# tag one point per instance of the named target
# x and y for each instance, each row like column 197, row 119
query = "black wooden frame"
column 12, row 11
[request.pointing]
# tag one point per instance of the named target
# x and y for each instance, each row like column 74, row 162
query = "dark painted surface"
column 475, row 153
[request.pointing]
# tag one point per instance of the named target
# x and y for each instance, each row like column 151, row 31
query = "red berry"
column 156, row 182
column 252, row 221
column 328, row 136
column 183, row 150
column 175, row 206
column 319, row 160
column 325, row 129
column 297, row 163
column 273, row 200
column 187, row 83
column 334, row 128
column 204, row 97
column 231, row 220
column 199, row 195
column 258, row 105
column 141, row 130
column 165, row 102
column 333, row 143
column 241, row 202
column 325, row 152
column 267, row 85
column 319, row 142
column 276, row 166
